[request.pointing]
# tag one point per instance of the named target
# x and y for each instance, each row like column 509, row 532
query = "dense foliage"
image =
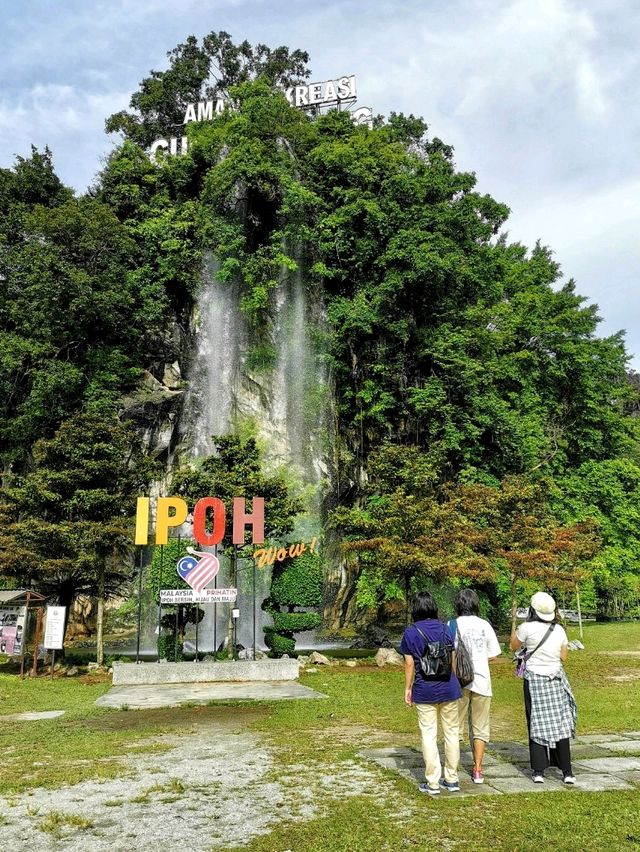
column 464, row 350
column 294, row 601
column 66, row 523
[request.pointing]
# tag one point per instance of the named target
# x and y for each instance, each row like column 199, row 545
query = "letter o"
column 200, row 521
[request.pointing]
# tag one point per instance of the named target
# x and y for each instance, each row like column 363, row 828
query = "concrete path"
column 174, row 694
column 600, row 762
column 32, row 716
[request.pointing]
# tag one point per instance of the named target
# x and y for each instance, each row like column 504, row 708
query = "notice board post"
column 54, row 631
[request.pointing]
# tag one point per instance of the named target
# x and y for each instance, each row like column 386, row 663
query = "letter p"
column 164, row 520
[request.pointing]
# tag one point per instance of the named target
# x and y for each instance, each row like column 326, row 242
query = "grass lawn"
column 364, row 708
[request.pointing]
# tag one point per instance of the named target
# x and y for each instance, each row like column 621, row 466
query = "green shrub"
column 296, row 621
column 296, row 587
column 170, row 648
column 278, row 643
column 298, row 582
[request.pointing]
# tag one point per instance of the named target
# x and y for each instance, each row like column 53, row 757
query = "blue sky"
column 540, row 99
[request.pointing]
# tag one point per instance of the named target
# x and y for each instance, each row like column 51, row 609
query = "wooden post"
column 34, row 670
column 24, row 634
column 579, row 611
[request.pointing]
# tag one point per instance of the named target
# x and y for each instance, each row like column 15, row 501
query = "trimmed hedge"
column 296, row 586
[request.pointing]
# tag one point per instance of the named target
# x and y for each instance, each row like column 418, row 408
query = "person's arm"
column 515, row 642
column 409, row 674
column 493, row 646
column 564, row 647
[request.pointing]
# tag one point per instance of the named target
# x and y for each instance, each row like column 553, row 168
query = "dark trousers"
column 540, row 756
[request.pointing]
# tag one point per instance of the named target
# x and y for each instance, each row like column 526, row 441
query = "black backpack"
column 435, row 662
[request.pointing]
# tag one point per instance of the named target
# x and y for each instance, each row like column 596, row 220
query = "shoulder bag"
column 464, row 661
column 522, row 656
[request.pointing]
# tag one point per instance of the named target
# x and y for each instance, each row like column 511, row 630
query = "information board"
column 12, row 625
column 54, row 630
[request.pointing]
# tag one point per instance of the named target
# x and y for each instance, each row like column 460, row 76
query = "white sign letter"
column 205, row 111
column 190, row 114
column 157, row 145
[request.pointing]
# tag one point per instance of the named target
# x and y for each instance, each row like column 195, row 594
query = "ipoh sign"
column 171, row 512
column 209, row 526
column 326, row 94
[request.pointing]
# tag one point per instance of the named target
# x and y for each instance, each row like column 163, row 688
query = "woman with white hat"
column 549, row 703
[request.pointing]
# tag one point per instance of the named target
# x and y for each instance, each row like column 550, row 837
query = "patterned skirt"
column 553, row 708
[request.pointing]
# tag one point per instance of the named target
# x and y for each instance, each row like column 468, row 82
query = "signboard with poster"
column 12, row 627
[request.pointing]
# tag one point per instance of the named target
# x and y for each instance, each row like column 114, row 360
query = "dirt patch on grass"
column 216, row 784
column 625, row 675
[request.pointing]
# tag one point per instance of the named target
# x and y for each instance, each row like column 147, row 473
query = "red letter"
column 200, row 521
column 255, row 519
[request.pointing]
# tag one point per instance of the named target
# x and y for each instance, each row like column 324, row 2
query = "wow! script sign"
column 209, row 519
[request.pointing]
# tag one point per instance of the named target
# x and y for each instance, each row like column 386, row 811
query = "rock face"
column 319, row 659
column 373, row 637
column 388, row 657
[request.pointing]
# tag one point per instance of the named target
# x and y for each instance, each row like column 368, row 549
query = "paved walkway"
column 600, row 762
column 174, row 694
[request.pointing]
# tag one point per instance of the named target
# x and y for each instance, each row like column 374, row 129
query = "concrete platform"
column 147, row 696
column 129, row 674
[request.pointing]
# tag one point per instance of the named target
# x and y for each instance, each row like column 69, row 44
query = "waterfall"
column 211, row 403
column 300, row 390
column 285, row 401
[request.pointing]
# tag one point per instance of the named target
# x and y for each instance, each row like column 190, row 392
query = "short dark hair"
column 533, row 616
column 467, row 602
column 424, row 606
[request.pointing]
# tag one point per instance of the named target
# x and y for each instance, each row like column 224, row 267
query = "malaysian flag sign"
column 198, row 569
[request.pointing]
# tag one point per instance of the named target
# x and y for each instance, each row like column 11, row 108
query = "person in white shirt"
column 549, row 704
column 474, row 708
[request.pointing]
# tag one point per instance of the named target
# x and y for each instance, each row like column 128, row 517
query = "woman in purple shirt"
column 434, row 699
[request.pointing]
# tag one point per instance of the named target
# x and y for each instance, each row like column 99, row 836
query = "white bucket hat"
column 544, row 606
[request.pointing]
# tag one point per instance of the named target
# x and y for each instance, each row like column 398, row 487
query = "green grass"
column 55, row 822
column 363, row 708
column 590, row 821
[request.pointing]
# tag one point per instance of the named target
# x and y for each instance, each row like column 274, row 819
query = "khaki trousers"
column 475, row 715
column 428, row 714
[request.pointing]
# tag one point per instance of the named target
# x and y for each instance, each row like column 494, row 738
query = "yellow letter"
column 142, row 521
column 164, row 520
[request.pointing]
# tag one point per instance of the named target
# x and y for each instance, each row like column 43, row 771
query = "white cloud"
column 539, row 97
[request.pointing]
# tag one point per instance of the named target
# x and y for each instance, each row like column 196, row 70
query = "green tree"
column 202, row 71
column 607, row 493
column 67, row 523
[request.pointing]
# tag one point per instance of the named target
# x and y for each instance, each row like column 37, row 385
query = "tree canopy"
column 470, row 353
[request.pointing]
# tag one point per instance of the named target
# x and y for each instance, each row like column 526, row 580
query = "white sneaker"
column 569, row 779
column 538, row 779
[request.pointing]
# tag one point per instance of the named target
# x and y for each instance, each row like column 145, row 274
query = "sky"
column 539, row 99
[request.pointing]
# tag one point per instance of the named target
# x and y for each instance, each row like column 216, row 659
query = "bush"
column 278, row 643
column 170, row 648
column 296, row 585
column 295, row 622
